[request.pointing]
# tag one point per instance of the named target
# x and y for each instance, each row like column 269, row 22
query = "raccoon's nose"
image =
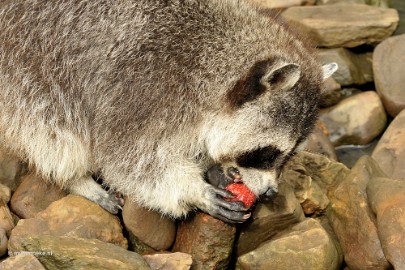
column 268, row 196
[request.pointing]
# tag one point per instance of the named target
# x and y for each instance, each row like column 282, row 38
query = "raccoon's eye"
column 261, row 158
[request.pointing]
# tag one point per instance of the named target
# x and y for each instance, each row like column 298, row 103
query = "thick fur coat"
column 151, row 93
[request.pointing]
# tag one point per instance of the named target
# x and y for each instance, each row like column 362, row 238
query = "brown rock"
column 319, row 143
column 34, row 195
column 207, row 239
column 388, row 63
column 6, row 219
column 312, row 176
column 330, row 94
column 390, row 152
column 305, row 246
column 169, row 261
column 72, row 216
column 387, row 199
column 3, row 243
column 270, row 219
column 353, row 221
column 377, row 3
column 341, row 26
column 150, row 227
column 58, row 253
column 22, row 262
column 265, row 4
column 356, row 120
column 353, row 68
column 10, row 169
column 5, row 193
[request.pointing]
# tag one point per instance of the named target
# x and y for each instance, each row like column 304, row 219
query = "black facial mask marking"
column 261, row 158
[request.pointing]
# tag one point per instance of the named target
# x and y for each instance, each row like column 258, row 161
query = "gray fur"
column 137, row 90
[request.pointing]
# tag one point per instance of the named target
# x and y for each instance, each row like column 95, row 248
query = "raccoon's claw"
column 111, row 201
column 228, row 211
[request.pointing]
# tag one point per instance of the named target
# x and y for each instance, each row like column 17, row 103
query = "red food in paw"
column 242, row 193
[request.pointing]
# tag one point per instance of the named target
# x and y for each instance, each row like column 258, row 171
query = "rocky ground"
column 327, row 215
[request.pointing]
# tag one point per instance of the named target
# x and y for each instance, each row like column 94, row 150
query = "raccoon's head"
column 266, row 116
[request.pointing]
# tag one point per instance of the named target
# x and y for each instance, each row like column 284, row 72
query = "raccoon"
column 152, row 93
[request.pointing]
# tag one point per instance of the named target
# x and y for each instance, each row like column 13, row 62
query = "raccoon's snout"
column 268, row 196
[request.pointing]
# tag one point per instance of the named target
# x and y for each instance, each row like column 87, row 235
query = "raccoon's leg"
column 91, row 190
column 182, row 188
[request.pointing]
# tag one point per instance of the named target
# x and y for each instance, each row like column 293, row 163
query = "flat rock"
column 305, row 246
column 150, row 227
column 207, row 239
column 270, row 219
column 387, row 199
column 341, row 26
column 377, row 3
column 266, row 4
column 65, row 253
column 357, row 120
column 34, row 195
column 22, row 262
column 388, row 63
column 354, row 68
column 72, row 216
column 169, row 261
column 353, row 221
column 390, row 152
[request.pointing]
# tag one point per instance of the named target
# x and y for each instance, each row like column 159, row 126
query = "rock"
column 377, row 3
column 353, row 221
column 270, row 219
column 63, row 252
column 265, row 4
column 305, row 246
column 34, row 195
column 387, row 199
column 390, row 152
column 169, row 261
column 72, row 216
column 318, row 142
column 330, row 94
column 5, row 193
column 341, row 26
column 355, row 120
column 3, row 243
column 6, row 219
column 388, row 62
column 150, row 227
column 399, row 5
column 22, row 262
column 10, row 169
column 354, row 68
column 349, row 154
column 312, row 176
column 207, row 239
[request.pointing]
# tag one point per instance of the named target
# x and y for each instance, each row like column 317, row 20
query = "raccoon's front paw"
column 228, row 211
column 220, row 177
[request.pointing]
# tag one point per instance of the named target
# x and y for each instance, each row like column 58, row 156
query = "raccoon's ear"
column 328, row 70
column 282, row 77
column 263, row 76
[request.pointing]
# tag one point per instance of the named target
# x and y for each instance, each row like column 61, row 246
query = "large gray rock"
column 353, row 68
column 388, row 64
column 66, row 253
column 341, row 26
column 357, row 120
column 305, row 246
column 390, row 152
column 270, row 219
column 353, row 221
column 387, row 199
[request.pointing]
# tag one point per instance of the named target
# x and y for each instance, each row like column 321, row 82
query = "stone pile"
column 327, row 215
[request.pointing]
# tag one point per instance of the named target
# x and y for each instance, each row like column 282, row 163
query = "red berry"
column 242, row 193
